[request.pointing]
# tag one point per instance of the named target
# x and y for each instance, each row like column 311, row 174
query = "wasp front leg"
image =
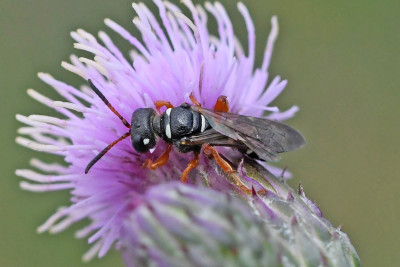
column 161, row 103
column 160, row 161
column 194, row 100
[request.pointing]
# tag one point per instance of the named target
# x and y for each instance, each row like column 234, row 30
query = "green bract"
column 178, row 225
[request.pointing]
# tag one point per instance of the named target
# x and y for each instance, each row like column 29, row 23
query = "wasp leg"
column 194, row 100
column 192, row 164
column 226, row 167
column 160, row 103
column 160, row 161
column 222, row 104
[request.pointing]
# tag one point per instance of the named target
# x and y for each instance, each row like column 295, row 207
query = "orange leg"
column 211, row 151
column 194, row 100
column 160, row 103
column 192, row 164
column 222, row 104
column 160, row 161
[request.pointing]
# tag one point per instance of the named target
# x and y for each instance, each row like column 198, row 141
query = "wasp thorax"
column 142, row 135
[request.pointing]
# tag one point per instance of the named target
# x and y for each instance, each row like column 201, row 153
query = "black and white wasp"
column 191, row 128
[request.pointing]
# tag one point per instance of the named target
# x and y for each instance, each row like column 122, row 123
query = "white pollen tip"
column 41, row 230
column 188, row 22
column 73, row 69
column 110, row 23
column 32, row 92
column 146, row 141
column 136, row 20
column 89, row 255
column 88, row 48
column 43, row 75
column 94, row 64
column 68, row 105
column 20, row 117
column 36, row 146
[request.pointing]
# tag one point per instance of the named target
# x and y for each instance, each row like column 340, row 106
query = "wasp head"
column 142, row 134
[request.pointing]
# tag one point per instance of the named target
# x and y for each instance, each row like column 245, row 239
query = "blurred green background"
column 342, row 62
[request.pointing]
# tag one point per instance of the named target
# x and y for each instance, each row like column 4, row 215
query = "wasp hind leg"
column 160, row 161
column 222, row 104
column 226, row 167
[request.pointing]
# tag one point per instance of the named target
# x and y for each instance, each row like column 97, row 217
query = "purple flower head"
column 173, row 60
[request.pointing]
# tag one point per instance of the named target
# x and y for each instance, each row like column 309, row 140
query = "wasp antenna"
column 108, row 104
column 104, row 151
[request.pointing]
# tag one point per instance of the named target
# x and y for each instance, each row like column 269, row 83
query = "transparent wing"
column 214, row 138
column 265, row 137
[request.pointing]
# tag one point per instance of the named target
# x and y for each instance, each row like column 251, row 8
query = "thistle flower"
column 185, row 226
column 172, row 61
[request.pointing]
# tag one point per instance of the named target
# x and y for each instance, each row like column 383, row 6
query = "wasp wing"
column 214, row 138
column 265, row 137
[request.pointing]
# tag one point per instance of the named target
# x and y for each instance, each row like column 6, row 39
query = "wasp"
column 192, row 128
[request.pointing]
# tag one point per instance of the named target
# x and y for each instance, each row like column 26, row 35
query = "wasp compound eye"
column 143, row 137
